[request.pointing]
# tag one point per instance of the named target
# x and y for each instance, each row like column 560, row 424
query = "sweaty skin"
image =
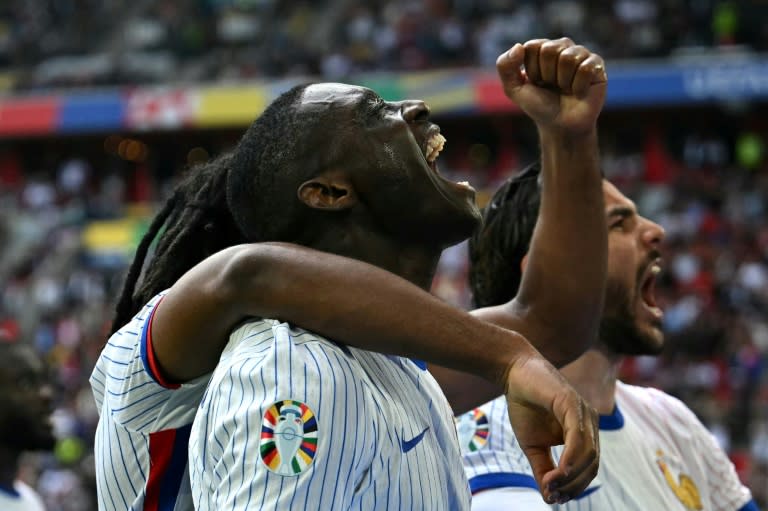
column 360, row 304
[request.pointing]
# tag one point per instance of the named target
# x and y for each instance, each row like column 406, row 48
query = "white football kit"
column 20, row 498
column 654, row 455
column 293, row 421
column 144, row 423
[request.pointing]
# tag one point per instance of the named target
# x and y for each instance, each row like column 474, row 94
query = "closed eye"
column 377, row 106
column 619, row 216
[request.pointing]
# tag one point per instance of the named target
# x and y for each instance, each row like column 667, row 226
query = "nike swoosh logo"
column 588, row 492
column 413, row 442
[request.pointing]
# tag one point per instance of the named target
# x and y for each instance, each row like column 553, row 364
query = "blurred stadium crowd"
column 55, row 43
column 64, row 207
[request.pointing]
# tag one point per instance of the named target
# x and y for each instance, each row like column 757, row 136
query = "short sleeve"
column 285, row 424
column 491, row 454
column 126, row 384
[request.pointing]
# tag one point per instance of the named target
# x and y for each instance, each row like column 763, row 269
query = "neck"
column 413, row 262
column 594, row 376
column 9, row 466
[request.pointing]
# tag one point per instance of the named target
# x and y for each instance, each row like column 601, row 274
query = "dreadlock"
column 247, row 195
column 197, row 224
column 497, row 249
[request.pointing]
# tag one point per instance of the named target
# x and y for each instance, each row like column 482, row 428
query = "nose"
column 414, row 110
column 652, row 234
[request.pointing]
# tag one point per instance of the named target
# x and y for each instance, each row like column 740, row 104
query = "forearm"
column 561, row 293
column 369, row 308
column 340, row 298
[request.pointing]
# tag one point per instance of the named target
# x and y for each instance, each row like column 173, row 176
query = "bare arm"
column 344, row 299
column 560, row 300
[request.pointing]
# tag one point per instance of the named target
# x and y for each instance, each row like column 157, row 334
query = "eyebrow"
column 621, row 211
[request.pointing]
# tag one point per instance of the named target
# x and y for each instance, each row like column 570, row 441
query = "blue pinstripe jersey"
column 293, row 421
column 654, row 454
column 144, row 423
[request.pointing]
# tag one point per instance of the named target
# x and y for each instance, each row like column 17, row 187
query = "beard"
column 619, row 330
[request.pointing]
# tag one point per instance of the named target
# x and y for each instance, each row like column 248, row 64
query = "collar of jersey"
column 11, row 491
column 613, row 421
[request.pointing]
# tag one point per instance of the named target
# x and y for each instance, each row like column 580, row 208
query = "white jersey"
column 654, row 454
column 20, row 498
column 144, row 423
column 293, row 421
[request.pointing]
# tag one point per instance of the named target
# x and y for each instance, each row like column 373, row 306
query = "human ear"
column 330, row 190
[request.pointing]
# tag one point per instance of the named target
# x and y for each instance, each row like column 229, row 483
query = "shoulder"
column 267, row 356
column 651, row 398
column 29, row 497
column 129, row 388
column 127, row 343
column 651, row 404
column 261, row 339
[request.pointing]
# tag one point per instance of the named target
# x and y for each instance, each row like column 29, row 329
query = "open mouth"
column 431, row 149
column 648, row 288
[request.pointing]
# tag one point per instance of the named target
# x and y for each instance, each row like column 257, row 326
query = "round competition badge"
column 472, row 429
column 288, row 437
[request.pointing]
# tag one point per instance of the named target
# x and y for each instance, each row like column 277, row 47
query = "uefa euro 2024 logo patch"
column 288, row 437
column 472, row 429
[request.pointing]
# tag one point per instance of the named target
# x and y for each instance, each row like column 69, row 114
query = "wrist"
column 516, row 353
column 570, row 136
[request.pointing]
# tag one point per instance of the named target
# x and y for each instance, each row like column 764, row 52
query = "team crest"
column 683, row 486
column 288, row 437
column 472, row 429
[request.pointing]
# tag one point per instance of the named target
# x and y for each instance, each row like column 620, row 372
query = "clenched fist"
column 559, row 84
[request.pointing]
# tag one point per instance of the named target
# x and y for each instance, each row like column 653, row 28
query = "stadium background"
column 105, row 103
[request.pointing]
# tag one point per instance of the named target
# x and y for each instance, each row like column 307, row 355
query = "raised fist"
column 560, row 85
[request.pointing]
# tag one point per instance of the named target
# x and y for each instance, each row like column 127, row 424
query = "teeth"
column 434, row 146
column 465, row 184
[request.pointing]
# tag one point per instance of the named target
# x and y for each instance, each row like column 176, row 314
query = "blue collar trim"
column 613, row 421
column 9, row 490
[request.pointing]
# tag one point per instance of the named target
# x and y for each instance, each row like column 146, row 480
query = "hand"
column 558, row 84
column 546, row 411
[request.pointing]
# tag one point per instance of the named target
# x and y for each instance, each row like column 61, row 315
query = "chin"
column 452, row 227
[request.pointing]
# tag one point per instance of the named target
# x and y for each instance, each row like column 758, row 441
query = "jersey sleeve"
column 127, row 385
column 509, row 499
column 283, row 425
column 726, row 490
column 491, row 454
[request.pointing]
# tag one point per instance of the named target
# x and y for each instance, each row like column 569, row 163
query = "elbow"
column 576, row 337
column 562, row 335
column 246, row 271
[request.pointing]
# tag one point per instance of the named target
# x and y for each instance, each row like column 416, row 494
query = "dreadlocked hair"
column 497, row 249
column 197, row 224
column 245, row 196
